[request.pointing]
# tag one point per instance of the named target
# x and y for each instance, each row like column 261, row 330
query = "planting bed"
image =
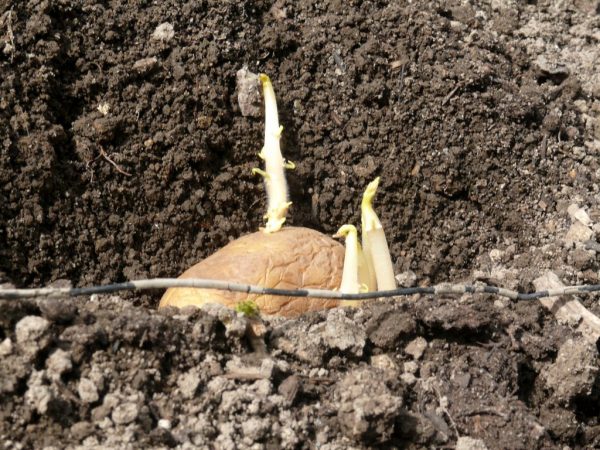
column 125, row 154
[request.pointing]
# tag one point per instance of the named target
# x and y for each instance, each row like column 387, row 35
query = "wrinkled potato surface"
column 292, row 258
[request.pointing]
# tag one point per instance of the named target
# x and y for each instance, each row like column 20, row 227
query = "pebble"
column 384, row 362
column 255, row 428
column 343, row 334
column 88, row 393
column 469, row 443
column 408, row 378
column 6, row 347
column 578, row 233
column 165, row 424
column 32, row 334
column 573, row 373
column 125, row 413
column 58, row 311
column 31, row 329
column 145, row 65
column 578, row 214
column 407, row 279
column 248, row 93
column 38, row 397
column 188, row 383
column 416, row 347
column 411, row 367
column 81, row 430
column 164, row 32
column 58, row 363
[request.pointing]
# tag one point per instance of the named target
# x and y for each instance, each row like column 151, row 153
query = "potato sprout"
column 377, row 252
column 275, row 165
column 350, row 284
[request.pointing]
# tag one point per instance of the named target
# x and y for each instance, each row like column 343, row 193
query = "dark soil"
column 126, row 156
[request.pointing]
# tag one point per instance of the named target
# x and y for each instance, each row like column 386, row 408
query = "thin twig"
column 11, row 35
column 115, row 165
column 450, row 94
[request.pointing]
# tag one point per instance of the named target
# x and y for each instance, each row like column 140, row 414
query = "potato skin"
column 292, row 258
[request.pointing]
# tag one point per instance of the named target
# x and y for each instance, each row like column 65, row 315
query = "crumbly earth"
column 125, row 153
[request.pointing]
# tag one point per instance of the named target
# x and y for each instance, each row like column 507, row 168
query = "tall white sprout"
column 376, row 250
column 275, row 165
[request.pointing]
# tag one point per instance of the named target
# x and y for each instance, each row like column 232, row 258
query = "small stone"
column 145, row 65
column 30, row 329
column 469, row 443
column 579, row 214
column 411, row 367
column 262, row 388
column 574, row 371
column 581, row 258
column 268, row 368
column 58, row 311
column 6, row 347
column 32, row 334
column 81, row 430
column 125, row 413
column 105, row 409
column 416, row 347
column 343, row 334
column 105, row 128
column 164, row 32
column 88, row 393
column 188, row 383
column 104, row 108
column 58, row 363
column 384, row 362
column 289, row 388
column 408, row 378
column 248, row 93
column 578, row 233
column 462, row 379
column 496, row 255
column 39, row 397
column 552, row 68
column 165, row 424
column 407, row 279
column 255, row 428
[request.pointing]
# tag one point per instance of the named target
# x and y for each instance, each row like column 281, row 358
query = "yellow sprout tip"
column 369, row 218
column 344, row 231
column 370, row 191
column 264, row 78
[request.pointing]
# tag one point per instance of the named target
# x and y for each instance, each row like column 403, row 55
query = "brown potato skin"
column 292, row 258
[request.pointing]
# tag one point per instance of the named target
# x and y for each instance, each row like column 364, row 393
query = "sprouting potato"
column 291, row 257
